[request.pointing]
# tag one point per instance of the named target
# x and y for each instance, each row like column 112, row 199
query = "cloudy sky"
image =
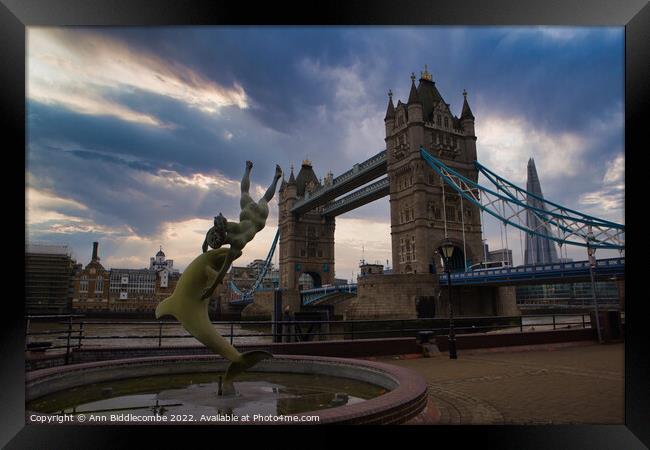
column 137, row 137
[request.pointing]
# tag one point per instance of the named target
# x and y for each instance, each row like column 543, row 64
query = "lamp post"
column 592, row 265
column 447, row 251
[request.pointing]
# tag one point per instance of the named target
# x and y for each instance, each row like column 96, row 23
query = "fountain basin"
column 404, row 397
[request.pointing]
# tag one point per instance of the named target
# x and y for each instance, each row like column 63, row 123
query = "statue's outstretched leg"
column 245, row 186
column 246, row 179
column 271, row 190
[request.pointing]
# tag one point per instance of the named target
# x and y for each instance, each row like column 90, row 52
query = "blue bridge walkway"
column 540, row 274
column 548, row 273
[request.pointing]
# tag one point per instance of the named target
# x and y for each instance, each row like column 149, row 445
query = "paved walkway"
column 578, row 383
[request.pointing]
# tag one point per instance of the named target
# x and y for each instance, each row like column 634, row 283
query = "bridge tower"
column 306, row 240
column 418, row 208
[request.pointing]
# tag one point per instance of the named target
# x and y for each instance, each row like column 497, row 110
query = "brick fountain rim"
column 405, row 399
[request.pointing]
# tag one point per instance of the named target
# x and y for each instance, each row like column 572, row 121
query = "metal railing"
column 308, row 330
column 69, row 335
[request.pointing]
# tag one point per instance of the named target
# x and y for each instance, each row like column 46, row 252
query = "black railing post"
column 554, row 321
column 160, row 325
column 231, row 332
column 352, row 331
column 27, row 333
column 81, row 332
column 67, row 346
column 583, row 320
column 521, row 324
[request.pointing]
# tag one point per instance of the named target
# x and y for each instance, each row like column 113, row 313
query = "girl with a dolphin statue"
column 189, row 302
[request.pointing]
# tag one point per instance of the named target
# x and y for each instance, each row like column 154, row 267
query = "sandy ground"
column 578, row 383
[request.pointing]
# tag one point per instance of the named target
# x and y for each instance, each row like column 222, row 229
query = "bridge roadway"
column 311, row 296
column 572, row 272
column 360, row 174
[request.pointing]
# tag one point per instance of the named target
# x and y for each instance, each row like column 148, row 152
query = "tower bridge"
column 429, row 170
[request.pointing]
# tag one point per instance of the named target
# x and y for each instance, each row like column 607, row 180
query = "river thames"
column 140, row 333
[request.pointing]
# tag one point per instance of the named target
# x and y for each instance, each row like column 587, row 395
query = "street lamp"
column 448, row 250
column 592, row 265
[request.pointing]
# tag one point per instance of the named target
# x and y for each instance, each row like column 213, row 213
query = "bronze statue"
column 252, row 219
column 190, row 300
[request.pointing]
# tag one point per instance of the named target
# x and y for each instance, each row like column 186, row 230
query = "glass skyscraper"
column 539, row 250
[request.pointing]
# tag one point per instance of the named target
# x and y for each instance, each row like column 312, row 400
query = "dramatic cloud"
column 76, row 69
column 137, row 137
column 608, row 201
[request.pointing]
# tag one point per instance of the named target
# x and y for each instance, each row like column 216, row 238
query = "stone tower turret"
column 467, row 123
column 306, row 241
column 418, row 212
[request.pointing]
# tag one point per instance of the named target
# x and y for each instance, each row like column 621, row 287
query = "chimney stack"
column 95, row 245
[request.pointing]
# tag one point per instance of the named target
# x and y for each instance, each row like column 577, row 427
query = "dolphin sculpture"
column 187, row 306
column 189, row 302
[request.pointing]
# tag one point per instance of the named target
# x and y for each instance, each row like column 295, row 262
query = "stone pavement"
column 570, row 383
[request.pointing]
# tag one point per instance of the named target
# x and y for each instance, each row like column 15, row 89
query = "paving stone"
column 580, row 384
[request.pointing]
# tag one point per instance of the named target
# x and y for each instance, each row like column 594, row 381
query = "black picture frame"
column 15, row 15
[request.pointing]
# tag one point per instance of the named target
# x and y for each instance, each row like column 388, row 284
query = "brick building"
column 97, row 289
column 91, row 285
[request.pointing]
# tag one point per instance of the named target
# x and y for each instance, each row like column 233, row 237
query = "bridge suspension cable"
column 247, row 294
column 556, row 222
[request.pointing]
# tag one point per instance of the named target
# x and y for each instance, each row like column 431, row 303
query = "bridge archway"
column 457, row 260
column 309, row 280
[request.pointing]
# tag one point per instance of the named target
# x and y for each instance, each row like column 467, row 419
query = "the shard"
column 539, row 250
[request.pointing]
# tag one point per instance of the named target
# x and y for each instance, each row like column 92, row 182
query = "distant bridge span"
column 572, row 272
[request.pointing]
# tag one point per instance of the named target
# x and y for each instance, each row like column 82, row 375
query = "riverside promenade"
column 568, row 383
